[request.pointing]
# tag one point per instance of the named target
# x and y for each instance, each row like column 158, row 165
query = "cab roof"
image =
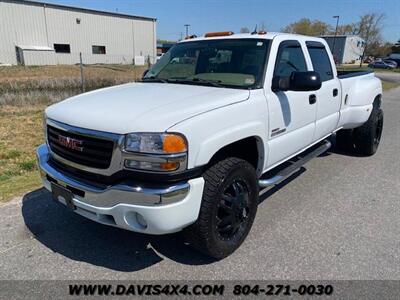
column 266, row 36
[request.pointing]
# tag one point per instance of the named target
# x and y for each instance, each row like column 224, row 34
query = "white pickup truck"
column 216, row 118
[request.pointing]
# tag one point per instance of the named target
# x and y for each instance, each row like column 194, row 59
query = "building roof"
column 80, row 9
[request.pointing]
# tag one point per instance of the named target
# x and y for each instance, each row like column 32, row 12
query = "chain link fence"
column 45, row 84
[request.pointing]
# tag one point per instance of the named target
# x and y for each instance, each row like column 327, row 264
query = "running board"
column 295, row 166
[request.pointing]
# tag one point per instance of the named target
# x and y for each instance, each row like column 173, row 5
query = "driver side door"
column 292, row 114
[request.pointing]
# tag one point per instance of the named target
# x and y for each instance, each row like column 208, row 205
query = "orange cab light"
column 262, row 32
column 174, row 144
column 220, row 33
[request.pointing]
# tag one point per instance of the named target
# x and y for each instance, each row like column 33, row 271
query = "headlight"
column 160, row 143
column 162, row 152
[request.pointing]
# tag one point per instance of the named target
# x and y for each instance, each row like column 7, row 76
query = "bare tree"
column 369, row 28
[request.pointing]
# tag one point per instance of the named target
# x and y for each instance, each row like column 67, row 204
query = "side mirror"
column 145, row 72
column 297, row 81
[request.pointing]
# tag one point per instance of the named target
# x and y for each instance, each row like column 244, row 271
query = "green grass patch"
column 11, row 154
column 29, row 165
column 18, row 185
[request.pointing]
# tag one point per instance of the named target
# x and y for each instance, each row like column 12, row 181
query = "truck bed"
column 350, row 73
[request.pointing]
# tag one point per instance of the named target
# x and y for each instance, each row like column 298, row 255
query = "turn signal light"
column 174, row 143
column 220, row 33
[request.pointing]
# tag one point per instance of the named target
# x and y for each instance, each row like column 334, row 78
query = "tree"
column 347, row 29
column 244, row 30
column 307, row 27
column 380, row 50
column 369, row 28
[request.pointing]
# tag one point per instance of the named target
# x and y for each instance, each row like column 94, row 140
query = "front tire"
column 228, row 208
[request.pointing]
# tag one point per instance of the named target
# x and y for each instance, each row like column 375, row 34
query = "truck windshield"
column 236, row 63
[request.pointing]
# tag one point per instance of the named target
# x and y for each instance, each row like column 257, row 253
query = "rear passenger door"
column 328, row 96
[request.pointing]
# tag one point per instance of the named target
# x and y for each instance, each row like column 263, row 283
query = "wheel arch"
column 250, row 148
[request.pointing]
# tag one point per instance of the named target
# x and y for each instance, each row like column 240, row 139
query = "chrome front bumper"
column 132, row 207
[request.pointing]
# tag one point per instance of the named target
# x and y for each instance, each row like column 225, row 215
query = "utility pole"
column 334, row 38
column 187, row 29
column 82, row 78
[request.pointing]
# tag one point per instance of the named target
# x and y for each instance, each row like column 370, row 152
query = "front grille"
column 96, row 152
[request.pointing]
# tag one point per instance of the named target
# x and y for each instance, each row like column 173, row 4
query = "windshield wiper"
column 197, row 80
column 153, row 79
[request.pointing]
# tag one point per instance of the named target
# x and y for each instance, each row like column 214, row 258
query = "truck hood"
column 141, row 107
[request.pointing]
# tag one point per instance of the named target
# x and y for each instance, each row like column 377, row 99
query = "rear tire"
column 368, row 136
column 228, row 208
column 363, row 140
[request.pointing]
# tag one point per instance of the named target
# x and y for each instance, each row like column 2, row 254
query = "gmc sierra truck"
column 218, row 117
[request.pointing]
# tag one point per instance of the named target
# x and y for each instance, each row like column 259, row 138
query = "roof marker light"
column 220, row 33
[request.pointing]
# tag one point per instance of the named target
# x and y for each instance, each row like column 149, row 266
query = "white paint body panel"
column 211, row 117
column 161, row 219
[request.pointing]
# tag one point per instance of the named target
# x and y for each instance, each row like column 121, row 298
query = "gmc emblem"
column 70, row 143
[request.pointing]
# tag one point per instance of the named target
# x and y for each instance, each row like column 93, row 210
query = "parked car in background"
column 159, row 56
column 391, row 62
column 383, row 64
column 395, row 58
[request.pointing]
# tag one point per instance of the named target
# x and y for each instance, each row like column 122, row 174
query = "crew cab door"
column 291, row 113
column 328, row 97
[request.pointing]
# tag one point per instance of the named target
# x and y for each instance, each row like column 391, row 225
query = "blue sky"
column 218, row 15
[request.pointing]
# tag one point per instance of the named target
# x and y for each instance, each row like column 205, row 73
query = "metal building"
column 37, row 33
column 346, row 49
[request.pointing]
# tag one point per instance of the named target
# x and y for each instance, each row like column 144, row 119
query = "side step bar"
column 295, row 166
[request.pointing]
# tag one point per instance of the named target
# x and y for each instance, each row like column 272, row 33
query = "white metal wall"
column 353, row 49
column 33, row 25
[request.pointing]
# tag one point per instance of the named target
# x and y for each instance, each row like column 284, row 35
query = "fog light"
column 140, row 219
column 151, row 166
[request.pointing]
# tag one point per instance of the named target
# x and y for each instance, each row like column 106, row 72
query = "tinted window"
column 290, row 58
column 321, row 62
column 62, row 48
column 99, row 49
column 237, row 63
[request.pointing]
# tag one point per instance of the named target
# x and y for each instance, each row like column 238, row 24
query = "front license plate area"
column 61, row 194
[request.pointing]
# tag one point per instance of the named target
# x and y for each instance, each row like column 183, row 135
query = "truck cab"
column 188, row 147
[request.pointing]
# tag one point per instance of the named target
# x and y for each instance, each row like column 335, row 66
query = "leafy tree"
column 307, row 27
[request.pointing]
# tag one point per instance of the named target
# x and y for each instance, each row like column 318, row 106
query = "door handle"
column 335, row 92
column 312, row 99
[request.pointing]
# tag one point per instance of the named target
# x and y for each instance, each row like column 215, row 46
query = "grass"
column 24, row 94
column 20, row 133
column 21, row 85
column 386, row 85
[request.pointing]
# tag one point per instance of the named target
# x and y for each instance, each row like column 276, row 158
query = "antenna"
column 255, row 30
